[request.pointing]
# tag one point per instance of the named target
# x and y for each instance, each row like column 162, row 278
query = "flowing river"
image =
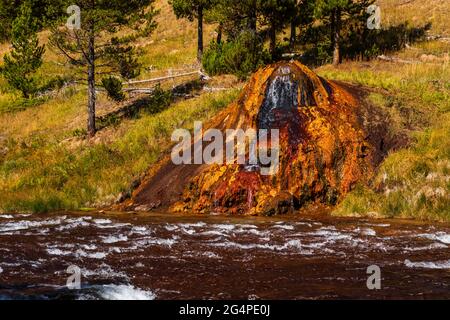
column 209, row 257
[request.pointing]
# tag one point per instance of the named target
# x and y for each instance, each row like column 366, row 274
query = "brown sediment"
column 329, row 141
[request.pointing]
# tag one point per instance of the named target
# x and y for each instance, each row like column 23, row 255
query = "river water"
column 210, row 257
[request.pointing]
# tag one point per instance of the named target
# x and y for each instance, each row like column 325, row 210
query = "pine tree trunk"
column 219, row 33
column 273, row 39
column 252, row 22
column 336, row 28
column 200, row 34
column 293, row 34
column 91, row 85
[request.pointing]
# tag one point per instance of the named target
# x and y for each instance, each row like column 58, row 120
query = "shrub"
column 159, row 101
column 239, row 57
column 113, row 86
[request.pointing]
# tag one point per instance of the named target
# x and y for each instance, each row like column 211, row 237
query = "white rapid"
column 167, row 257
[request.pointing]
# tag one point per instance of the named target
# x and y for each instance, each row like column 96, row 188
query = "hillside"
column 47, row 164
column 416, row 13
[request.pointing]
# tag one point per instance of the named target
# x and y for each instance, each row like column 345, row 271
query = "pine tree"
column 236, row 16
column 303, row 15
column 335, row 11
column 44, row 11
column 8, row 12
column 96, row 47
column 332, row 10
column 276, row 14
column 26, row 56
column 218, row 15
column 193, row 9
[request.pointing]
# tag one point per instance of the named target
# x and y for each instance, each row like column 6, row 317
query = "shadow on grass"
column 156, row 102
column 359, row 43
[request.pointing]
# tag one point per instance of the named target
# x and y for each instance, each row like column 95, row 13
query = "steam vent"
column 324, row 150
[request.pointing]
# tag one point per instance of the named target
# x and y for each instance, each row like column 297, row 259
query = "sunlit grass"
column 415, row 181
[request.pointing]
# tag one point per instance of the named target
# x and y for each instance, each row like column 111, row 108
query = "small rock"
column 156, row 204
column 142, row 208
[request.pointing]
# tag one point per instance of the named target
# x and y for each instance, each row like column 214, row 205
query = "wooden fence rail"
column 169, row 77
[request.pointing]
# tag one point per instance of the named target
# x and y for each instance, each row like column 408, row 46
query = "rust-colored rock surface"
column 325, row 149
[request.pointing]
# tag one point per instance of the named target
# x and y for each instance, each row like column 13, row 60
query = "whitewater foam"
column 72, row 224
column 140, row 231
column 102, row 221
column 125, row 292
column 283, row 248
column 192, row 225
column 435, row 245
column 114, row 239
column 156, row 241
column 438, row 236
column 227, row 227
column 105, row 271
column 283, row 226
column 428, row 265
column 27, row 224
column 117, row 292
column 89, row 255
column 365, row 231
column 58, row 252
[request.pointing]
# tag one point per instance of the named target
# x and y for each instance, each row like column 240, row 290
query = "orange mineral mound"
column 324, row 150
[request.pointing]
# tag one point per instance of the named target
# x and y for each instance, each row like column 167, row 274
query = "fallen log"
column 198, row 72
column 393, row 59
